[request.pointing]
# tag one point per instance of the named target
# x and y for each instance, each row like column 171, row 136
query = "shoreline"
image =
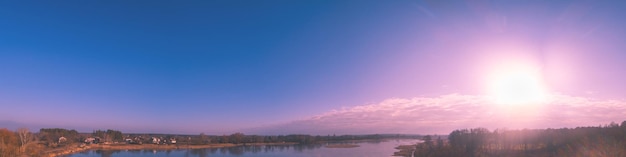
column 76, row 149
column 405, row 150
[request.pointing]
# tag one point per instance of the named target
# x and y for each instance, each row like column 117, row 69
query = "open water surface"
column 382, row 148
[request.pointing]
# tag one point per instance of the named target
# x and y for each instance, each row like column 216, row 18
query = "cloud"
column 430, row 115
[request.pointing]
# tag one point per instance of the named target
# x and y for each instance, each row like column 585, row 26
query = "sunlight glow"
column 517, row 85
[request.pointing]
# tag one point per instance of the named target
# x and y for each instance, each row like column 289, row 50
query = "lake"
column 381, row 148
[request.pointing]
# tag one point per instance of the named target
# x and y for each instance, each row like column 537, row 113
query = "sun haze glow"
column 220, row 67
column 517, row 85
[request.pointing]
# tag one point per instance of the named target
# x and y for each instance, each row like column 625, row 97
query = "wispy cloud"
column 448, row 112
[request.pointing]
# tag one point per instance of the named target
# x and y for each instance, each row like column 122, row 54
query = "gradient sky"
column 224, row 66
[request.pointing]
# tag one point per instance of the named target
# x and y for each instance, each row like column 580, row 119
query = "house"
column 62, row 139
column 134, row 140
column 92, row 140
column 155, row 140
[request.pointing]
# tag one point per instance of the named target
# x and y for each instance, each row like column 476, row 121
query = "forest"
column 596, row 141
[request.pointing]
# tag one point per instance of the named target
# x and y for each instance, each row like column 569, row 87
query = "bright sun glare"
column 517, row 85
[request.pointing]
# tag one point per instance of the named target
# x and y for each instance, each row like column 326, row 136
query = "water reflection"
column 367, row 148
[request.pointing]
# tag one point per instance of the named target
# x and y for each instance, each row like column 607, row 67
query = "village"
column 127, row 140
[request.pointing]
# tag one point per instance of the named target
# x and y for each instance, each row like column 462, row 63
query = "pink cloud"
column 440, row 115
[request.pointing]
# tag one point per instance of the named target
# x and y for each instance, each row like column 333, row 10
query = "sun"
column 517, row 85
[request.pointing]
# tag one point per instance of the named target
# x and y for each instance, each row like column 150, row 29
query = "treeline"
column 24, row 143
column 240, row 138
column 607, row 140
column 19, row 143
column 109, row 135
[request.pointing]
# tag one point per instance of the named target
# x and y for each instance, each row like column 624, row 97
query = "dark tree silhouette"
column 607, row 140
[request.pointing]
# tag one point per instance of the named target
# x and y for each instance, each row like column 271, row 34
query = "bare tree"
column 25, row 138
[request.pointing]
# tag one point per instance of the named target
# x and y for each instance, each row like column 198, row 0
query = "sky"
column 317, row 67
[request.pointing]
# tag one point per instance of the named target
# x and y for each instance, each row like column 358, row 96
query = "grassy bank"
column 72, row 149
column 404, row 150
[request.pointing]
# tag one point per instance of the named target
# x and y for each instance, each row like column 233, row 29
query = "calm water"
column 366, row 149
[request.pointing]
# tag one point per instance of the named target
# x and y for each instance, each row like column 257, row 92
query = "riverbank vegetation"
column 607, row 140
column 58, row 141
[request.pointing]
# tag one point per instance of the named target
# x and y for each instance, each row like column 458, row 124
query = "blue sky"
column 219, row 66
